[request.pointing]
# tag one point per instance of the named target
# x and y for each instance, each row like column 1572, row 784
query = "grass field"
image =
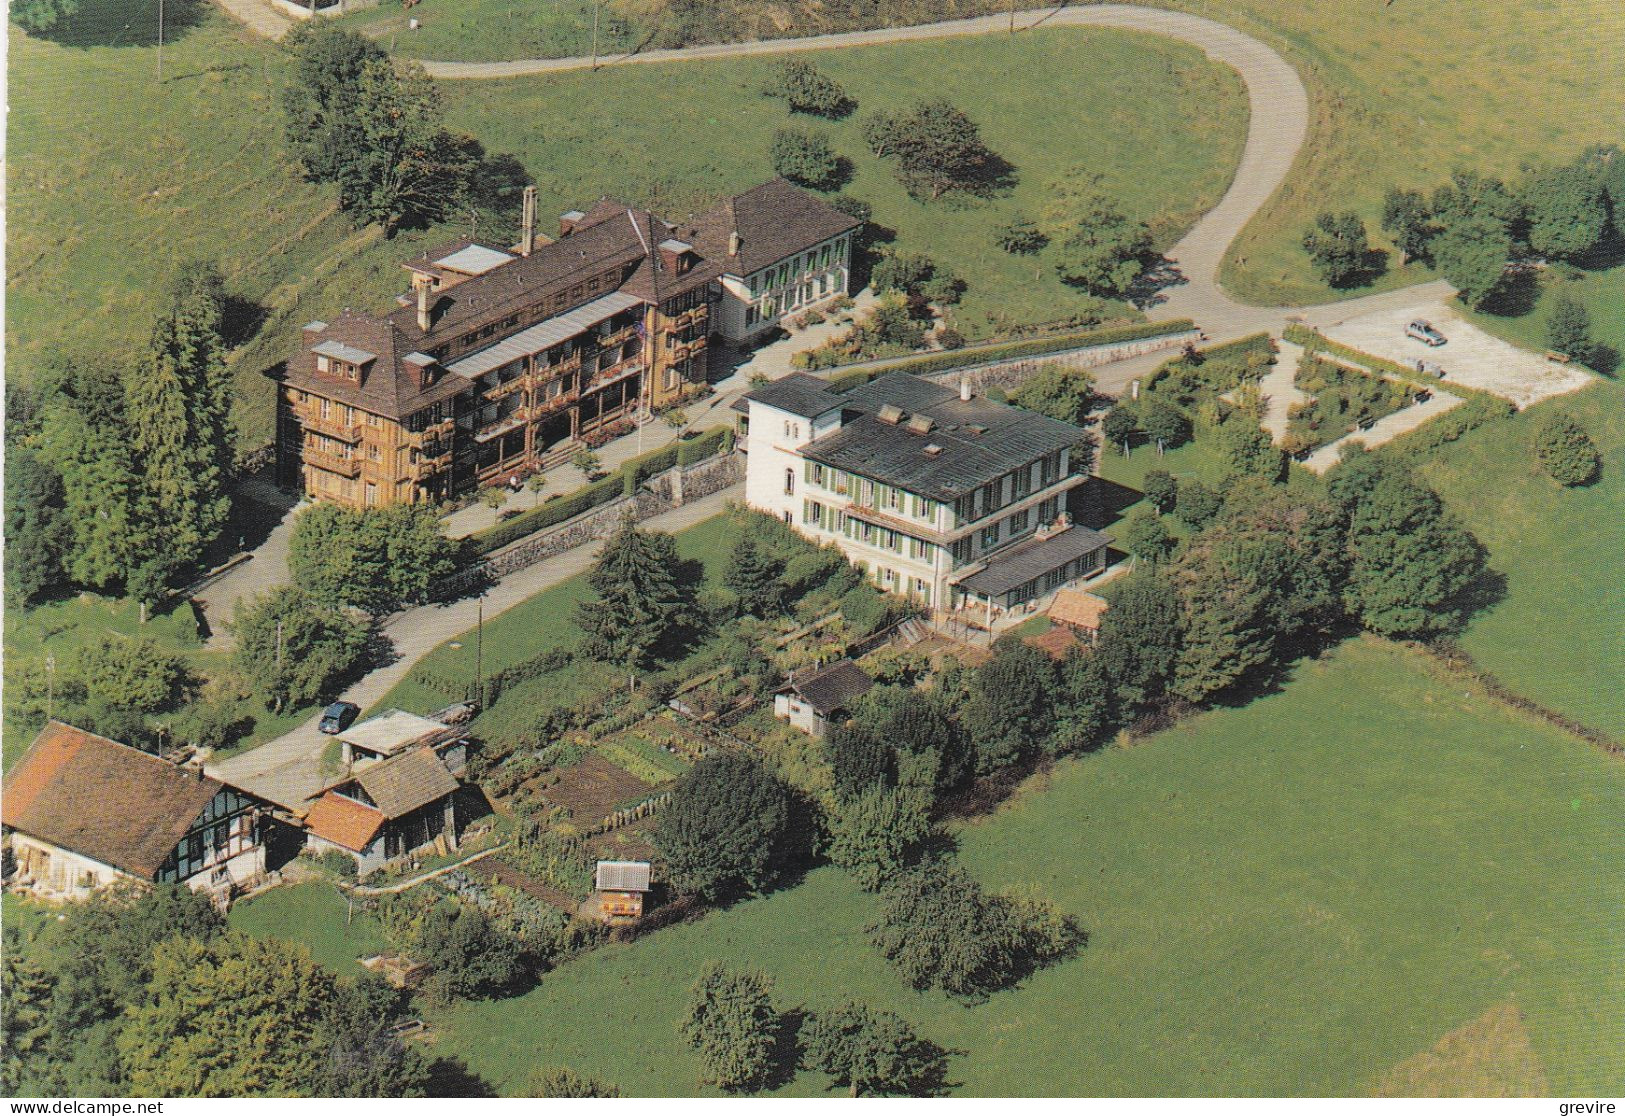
column 1160, row 125
column 493, row 30
column 202, row 173
column 1292, row 898
column 546, row 621
column 1406, row 92
column 1602, row 293
column 1557, row 636
column 313, row 915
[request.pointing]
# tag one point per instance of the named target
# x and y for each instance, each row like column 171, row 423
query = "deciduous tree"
column 1407, row 218
column 1007, row 712
column 1119, row 425
column 732, row 1025
column 1167, row 426
column 1567, row 210
column 375, row 560
column 873, row 1052
column 805, row 88
column 1472, row 253
column 562, row 1082
column 1058, row 391
column 1147, row 538
column 728, row 828
column 939, row 149
column 805, row 158
column 1565, row 450
column 292, row 649
column 1338, row 248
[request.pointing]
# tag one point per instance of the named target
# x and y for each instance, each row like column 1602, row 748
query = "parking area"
column 1470, row 356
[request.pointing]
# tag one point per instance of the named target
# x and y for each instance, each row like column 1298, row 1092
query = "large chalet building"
column 953, row 500
column 500, row 361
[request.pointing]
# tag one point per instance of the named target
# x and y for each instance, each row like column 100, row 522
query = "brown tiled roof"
column 1077, row 608
column 1055, row 643
column 344, row 821
column 832, row 687
column 402, row 783
column 774, row 220
column 103, row 799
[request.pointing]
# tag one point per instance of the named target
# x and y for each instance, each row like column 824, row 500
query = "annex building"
column 502, row 360
column 951, row 499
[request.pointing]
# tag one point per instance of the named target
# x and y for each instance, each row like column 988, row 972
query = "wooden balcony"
column 502, row 391
column 331, row 427
column 332, row 462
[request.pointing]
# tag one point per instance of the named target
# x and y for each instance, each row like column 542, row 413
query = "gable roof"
column 797, row 393
column 103, row 799
column 344, row 821
column 407, row 781
column 774, row 221
column 622, row 875
column 393, row 730
column 1078, row 608
column 830, row 688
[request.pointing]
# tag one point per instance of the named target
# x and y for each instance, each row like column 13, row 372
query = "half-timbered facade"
column 83, row 812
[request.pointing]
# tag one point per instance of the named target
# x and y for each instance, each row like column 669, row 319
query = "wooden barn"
column 620, row 886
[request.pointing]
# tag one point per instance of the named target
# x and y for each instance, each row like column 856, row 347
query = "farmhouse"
column 952, row 500
column 387, row 810
column 502, row 360
column 83, row 812
column 810, row 699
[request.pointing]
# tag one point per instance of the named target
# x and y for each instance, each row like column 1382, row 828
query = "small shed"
column 621, row 886
column 811, row 698
column 1079, row 611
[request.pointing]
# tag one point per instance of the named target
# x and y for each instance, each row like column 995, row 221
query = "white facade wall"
column 773, row 470
column 61, row 873
column 760, row 301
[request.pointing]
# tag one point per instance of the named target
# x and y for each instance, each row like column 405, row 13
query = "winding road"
column 288, row 769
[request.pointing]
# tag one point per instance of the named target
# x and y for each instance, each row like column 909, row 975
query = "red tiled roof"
column 103, row 799
column 343, row 821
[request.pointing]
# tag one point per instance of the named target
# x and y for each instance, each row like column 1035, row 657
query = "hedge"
column 1448, row 427
column 1008, row 350
column 624, row 482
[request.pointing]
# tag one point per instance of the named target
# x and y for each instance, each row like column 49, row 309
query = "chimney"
column 527, row 243
column 964, row 390
column 733, row 243
column 420, row 284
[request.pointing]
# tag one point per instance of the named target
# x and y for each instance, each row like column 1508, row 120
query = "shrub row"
column 1008, row 350
column 545, row 663
column 1448, row 427
column 1319, row 342
column 624, row 482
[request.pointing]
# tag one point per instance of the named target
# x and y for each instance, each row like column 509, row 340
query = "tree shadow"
column 124, row 23
column 785, row 1059
column 1603, row 359
column 1485, row 591
column 240, row 319
column 451, row 1077
column 1102, row 502
column 1514, row 296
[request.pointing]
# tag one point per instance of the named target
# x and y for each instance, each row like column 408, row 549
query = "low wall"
column 326, row 7
column 1013, row 373
column 661, row 493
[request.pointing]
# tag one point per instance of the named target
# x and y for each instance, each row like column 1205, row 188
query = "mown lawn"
column 312, row 915
column 546, row 621
column 1557, row 635
column 1284, row 899
column 1602, row 293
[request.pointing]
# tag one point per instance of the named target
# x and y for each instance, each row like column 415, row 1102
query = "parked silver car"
column 1423, row 331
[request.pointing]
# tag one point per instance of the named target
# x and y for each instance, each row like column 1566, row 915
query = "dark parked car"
column 338, row 716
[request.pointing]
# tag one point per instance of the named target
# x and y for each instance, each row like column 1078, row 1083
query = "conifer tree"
column 750, row 577
column 177, row 402
column 637, row 596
